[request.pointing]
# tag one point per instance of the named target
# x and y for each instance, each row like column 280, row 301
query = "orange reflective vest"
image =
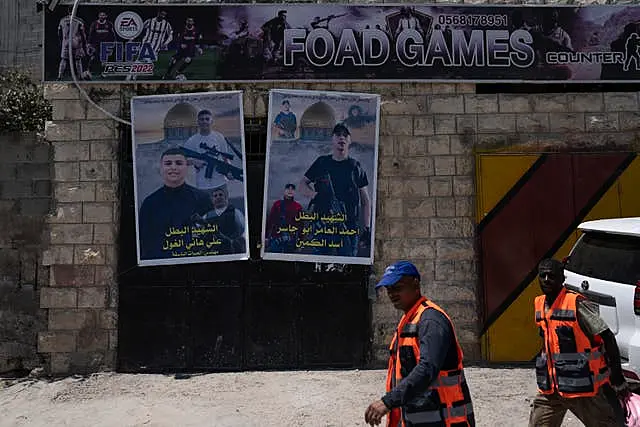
column 570, row 364
column 446, row 402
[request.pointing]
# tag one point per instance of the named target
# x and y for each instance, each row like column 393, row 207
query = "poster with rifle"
column 189, row 178
column 320, row 179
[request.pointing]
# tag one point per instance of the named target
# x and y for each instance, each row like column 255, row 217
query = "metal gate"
column 241, row 315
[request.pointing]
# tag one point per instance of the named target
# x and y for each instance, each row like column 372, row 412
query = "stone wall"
column 25, row 199
column 81, row 299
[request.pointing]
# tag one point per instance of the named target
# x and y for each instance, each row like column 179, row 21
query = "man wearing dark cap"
column 340, row 184
column 425, row 377
column 283, row 227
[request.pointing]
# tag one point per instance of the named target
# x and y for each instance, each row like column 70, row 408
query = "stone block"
column 415, row 187
column 104, row 233
column 466, row 123
column 417, row 166
column 445, row 207
column 106, row 191
column 35, row 207
column 110, row 105
column 105, row 275
column 408, row 105
column 70, row 151
column 465, row 206
column 71, row 233
column 444, row 165
column 477, row 104
column 97, row 129
column 601, row 122
column 58, row 255
column 386, row 145
column 420, row 208
column 68, row 110
column 567, row 122
column 417, row 228
column 451, row 227
column 89, row 254
column 62, row 131
column 101, row 150
column 444, row 270
column 550, row 103
column 441, row 186
column 621, row 101
column 75, row 192
column 455, row 249
column 413, row 88
column 396, row 229
column 514, row 103
column 461, row 144
column 532, row 122
column 60, row 363
column 438, row 144
column 445, row 104
column 66, row 213
column 98, row 212
column 392, row 207
column 72, row 275
column 585, row 102
column 444, row 124
column 629, row 120
column 92, row 339
column 397, row 125
column 95, row 171
column 33, row 171
column 67, row 319
column 423, row 125
column 444, row 87
column 463, row 185
column 56, row 342
column 58, row 298
column 496, row 123
column 66, row 171
column 418, row 249
column 464, row 165
column 54, row 91
column 90, row 297
column 411, row 146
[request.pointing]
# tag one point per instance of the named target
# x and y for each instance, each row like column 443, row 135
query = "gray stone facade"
column 425, row 200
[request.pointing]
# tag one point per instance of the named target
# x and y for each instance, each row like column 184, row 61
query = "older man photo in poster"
column 190, row 190
column 320, row 180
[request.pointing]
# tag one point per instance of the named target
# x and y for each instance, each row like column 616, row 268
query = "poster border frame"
column 44, row 80
column 323, row 259
column 198, row 259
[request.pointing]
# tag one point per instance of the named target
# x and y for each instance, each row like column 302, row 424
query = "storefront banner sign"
column 189, row 178
column 321, row 177
column 497, row 43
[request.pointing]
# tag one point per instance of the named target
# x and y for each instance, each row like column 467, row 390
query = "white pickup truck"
column 604, row 265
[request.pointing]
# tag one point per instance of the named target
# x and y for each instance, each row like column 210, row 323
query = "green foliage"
column 23, row 107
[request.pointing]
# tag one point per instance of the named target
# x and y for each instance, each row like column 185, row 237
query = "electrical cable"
column 72, row 67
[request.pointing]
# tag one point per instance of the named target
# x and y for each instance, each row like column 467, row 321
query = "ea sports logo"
column 128, row 25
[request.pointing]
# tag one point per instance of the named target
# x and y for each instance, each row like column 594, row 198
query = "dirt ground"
column 501, row 397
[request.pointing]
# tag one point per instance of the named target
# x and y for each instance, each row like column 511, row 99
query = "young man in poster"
column 212, row 139
column 340, row 188
column 170, row 206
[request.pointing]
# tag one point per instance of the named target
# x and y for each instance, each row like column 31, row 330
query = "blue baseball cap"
column 395, row 271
